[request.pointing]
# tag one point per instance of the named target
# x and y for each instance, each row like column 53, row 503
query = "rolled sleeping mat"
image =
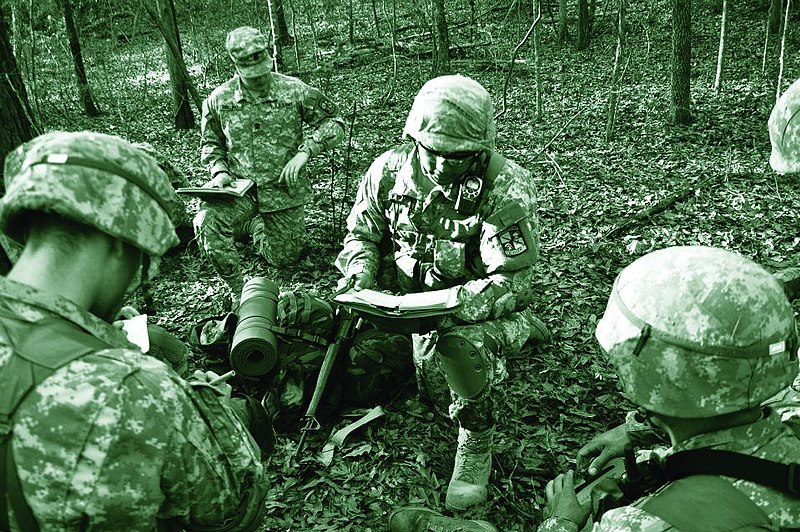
column 254, row 349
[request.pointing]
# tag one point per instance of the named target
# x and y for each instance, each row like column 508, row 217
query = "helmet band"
column 104, row 166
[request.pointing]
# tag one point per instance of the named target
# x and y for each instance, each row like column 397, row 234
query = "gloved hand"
column 355, row 281
column 222, row 179
column 209, row 376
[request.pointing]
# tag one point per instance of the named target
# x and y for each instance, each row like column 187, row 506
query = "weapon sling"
column 42, row 349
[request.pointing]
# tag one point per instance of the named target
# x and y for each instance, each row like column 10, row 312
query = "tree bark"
column 84, row 91
column 783, row 49
column 718, row 77
column 583, row 24
column 281, row 28
column 174, row 49
column 181, row 106
column 563, row 33
column 680, row 102
column 441, row 58
column 613, row 98
column 774, row 17
column 537, row 10
column 16, row 124
column 376, row 19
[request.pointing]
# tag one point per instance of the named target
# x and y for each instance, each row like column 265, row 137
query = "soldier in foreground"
column 252, row 128
column 453, row 213
column 93, row 433
column 700, row 337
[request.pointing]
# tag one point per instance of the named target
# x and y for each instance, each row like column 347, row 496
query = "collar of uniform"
column 19, row 294
column 738, row 438
column 411, row 181
column 240, row 94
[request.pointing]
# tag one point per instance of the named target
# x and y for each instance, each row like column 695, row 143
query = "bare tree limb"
column 513, row 60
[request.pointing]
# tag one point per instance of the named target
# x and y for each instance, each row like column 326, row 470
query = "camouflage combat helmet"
column 452, row 114
column 95, row 179
column 784, row 131
column 699, row 331
column 248, row 49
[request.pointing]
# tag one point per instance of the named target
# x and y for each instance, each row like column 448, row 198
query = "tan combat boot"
column 468, row 485
column 413, row 519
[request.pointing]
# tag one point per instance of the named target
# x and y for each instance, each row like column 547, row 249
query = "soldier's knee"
column 466, row 363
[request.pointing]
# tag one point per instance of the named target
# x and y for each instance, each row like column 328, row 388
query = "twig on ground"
column 513, row 60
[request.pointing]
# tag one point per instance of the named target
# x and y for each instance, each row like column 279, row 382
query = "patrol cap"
column 784, row 131
column 248, row 49
column 452, row 114
column 698, row 332
column 95, row 179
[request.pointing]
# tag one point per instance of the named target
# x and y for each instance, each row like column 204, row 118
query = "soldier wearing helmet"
column 784, row 131
column 93, row 433
column 252, row 128
column 445, row 210
column 701, row 338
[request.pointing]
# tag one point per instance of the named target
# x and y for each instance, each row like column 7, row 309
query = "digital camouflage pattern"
column 117, row 441
column 784, row 131
column 766, row 438
column 435, row 247
column 279, row 239
column 248, row 48
column 452, row 114
column 254, row 137
column 722, row 332
column 99, row 180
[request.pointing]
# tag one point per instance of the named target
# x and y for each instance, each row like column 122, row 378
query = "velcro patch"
column 512, row 241
column 326, row 105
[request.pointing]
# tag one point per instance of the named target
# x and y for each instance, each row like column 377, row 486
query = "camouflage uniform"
column 253, row 137
column 489, row 253
column 719, row 339
column 113, row 439
column 117, row 441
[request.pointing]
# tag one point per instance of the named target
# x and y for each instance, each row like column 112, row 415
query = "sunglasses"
column 458, row 156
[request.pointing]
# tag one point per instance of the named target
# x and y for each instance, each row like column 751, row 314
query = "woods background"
column 644, row 125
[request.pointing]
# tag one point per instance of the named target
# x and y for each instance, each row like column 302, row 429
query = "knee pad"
column 465, row 365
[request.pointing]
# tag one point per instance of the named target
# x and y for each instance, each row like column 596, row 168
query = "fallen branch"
column 666, row 203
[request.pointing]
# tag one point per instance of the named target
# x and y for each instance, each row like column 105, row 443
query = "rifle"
column 348, row 324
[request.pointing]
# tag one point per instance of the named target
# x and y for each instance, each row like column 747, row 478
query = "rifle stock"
column 347, row 324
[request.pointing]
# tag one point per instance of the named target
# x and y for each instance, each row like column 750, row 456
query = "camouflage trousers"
column 505, row 335
column 279, row 239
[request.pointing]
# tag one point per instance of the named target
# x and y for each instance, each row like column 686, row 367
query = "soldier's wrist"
column 219, row 172
column 307, row 147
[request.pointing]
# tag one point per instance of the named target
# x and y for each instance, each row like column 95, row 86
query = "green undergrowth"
column 560, row 393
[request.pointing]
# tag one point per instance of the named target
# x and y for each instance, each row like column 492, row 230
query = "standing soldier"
column 446, row 210
column 93, row 433
column 252, row 127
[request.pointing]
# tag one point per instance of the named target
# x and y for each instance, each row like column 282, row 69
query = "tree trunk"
column 375, row 18
column 613, row 98
column 718, row 77
column 783, row 49
column 16, row 124
column 84, row 91
column 583, row 24
column 680, row 102
column 563, row 33
column 174, row 49
column 774, row 17
column 350, row 23
column 537, row 9
column 441, row 58
column 281, row 28
column 277, row 48
column 181, row 105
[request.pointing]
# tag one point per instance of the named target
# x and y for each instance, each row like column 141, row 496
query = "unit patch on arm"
column 512, row 242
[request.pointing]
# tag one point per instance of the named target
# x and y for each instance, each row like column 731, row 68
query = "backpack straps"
column 42, row 348
column 782, row 477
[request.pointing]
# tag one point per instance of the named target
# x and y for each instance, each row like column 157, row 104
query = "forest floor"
column 560, row 393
